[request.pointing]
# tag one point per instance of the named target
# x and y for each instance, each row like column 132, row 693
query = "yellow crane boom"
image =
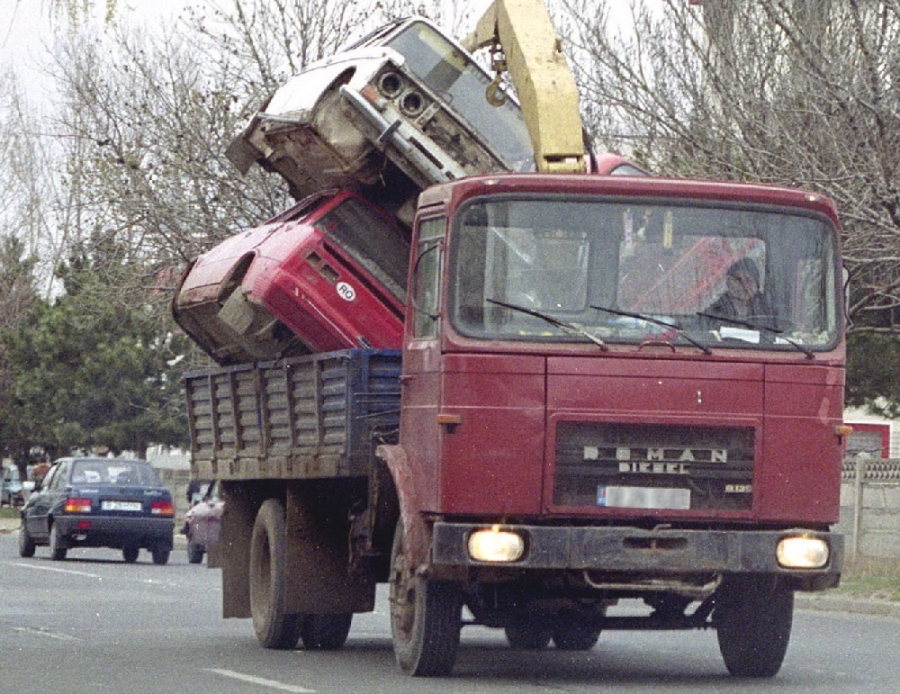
column 544, row 82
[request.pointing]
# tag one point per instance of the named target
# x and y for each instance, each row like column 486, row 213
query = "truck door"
column 420, row 431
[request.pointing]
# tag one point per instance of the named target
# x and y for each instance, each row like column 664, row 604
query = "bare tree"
column 801, row 92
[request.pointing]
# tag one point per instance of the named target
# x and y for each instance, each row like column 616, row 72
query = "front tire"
column 426, row 616
column 753, row 618
column 274, row 626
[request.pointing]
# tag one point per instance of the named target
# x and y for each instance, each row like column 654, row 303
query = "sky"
column 26, row 28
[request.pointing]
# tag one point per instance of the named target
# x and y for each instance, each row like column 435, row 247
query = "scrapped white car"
column 403, row 109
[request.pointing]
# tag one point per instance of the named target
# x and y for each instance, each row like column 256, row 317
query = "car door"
column 42, row 503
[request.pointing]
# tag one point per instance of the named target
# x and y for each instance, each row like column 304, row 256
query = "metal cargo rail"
column 316, row 416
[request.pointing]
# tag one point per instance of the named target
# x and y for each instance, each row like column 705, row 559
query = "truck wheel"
column 58, row 550
column 525, row 634
column 130, row 554
column 753, row 618
column 275, row 628
column 194, row 552
column 325, row 632
column 26, row 542
column 576, row 637
column 426, row 617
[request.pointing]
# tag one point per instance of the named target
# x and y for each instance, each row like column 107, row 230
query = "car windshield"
column 112, row 471
column 457, row 79
column 628, row 272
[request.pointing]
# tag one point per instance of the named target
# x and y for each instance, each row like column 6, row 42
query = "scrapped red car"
column 327, row 274
column 202, row 523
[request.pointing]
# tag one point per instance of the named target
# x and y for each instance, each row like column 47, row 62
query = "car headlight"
column 495, row 545
column 800, row 552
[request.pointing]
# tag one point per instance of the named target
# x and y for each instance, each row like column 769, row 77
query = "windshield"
column 458, row 80
column 718, row 276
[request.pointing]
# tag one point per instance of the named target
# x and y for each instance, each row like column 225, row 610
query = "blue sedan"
column 99, row 502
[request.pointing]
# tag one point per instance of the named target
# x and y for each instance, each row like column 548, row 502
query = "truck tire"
column 274, row 627
column 753, row 618
column 325, row 632
column 575, row 637
column 524, row 634
column 426, row 617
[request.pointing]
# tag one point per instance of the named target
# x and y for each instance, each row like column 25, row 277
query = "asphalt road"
column 95, row 624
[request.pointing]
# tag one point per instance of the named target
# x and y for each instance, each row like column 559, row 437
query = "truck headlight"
column 801, row 552
column 495, row 545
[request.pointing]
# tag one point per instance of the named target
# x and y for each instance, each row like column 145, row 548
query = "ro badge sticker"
column 345, row 291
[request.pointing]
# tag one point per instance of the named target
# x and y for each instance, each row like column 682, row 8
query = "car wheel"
column 194, row 552
column 57, row 549
column 160, row 556
column 26, row 543
column 130, row 554
column 274, row 626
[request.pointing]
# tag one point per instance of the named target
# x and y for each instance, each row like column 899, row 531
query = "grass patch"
column 7, row 512
column 870, row 577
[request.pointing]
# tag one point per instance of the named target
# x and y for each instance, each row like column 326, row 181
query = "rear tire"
column 130, row 554
column 274, row 626
column 325, row 632
column 753, row 618
column 426, row 617
column 576, row 637
column 160, row 556
column 26, row 543
column 58, row 550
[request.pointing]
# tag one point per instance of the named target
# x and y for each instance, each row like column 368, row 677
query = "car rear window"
column 113, row 472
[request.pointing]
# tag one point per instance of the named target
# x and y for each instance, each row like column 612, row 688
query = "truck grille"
column 654, row 466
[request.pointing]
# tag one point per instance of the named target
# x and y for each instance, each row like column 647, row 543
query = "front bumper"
column 117, row 531
column 667, row 552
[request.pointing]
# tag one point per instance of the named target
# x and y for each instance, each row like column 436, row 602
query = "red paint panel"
column 492, row 462
column 670, row 388
column 800, row 479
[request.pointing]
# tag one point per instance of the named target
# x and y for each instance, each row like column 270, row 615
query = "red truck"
column 610, row 388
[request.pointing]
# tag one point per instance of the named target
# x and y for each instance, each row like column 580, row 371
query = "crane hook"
column 495, row 94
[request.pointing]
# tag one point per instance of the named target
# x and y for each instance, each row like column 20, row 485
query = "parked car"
column 202, row 523
column 11, row 490
column 99, row 502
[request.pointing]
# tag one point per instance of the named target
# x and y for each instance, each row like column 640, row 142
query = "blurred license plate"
column 121, row 506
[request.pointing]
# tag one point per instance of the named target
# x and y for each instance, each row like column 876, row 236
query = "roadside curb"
column 827, row 602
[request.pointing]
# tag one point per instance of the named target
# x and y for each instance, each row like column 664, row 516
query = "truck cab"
column 586, row 418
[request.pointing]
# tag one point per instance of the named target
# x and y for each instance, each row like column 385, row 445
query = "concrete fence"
column 870, row 507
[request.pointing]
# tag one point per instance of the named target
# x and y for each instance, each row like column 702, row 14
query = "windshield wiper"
column 649, row 319
column 760, row 328
column 552, row 321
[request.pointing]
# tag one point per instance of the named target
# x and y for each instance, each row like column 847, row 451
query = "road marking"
column 44, row 632
column 261, row 681
column 38, row 567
